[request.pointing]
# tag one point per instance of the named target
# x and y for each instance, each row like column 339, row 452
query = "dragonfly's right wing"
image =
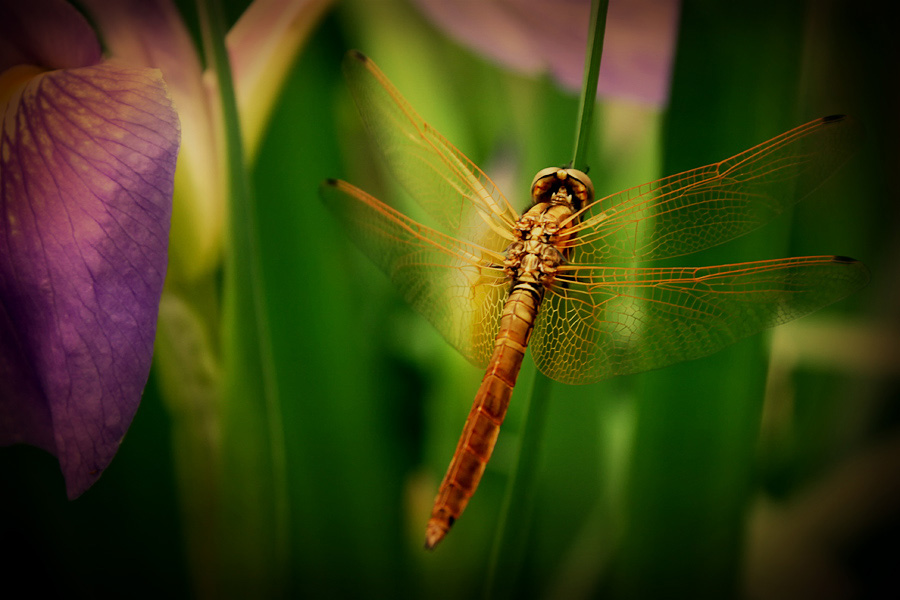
column 463, row 201
column 598, row 322
column 458, row 286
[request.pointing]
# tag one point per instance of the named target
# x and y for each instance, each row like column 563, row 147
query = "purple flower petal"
column 87, row 159
column 151, row 33
column 47, row 33
column 533, row 36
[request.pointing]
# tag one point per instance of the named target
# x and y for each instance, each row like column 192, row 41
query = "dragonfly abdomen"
column 488, row 410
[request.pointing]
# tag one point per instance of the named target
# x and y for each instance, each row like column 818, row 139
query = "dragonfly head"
column 551, row 180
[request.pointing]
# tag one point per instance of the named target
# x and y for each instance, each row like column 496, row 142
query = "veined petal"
column 533, row 36
column 151, row 33
column 46, row 33
column 87, row 160
column 262, row 46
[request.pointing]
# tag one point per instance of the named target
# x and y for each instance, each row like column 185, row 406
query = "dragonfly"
column 560, row 278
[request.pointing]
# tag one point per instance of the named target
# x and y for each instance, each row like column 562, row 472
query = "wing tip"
column 357, row 55
column 330, row 183
column 861, row 274
column 833, row 118
column 329, row 186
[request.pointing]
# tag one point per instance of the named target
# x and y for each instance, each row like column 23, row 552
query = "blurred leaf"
column 735, row 85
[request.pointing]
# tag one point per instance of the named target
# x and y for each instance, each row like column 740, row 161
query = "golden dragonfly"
column 493, row 281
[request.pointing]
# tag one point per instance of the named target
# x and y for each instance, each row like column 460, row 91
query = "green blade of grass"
column 254, row 515
column 693, row 473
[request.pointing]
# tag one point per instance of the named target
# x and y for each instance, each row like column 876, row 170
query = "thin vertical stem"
column 510, row 540
column 589, row 87
column 254, row 519
column 513, row 526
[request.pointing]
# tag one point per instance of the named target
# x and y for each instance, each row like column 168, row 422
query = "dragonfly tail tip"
column 433, row 535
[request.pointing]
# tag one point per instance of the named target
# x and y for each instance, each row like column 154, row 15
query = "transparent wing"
column 710, row 205
column 458, row 286
column 461, row 199
column 598, row 322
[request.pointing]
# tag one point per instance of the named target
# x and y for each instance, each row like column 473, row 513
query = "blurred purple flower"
column 262, row 46
column 534, row 36
column 87, row 160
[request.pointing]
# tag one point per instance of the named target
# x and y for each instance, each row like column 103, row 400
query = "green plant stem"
column 254, row 517
column 508, row 551
column 589, row 87
column 515, row 516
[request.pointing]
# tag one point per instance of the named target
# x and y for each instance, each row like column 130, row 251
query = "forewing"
column 461, row 199
column 710, row 205
column 598, row 322
column 458, row 286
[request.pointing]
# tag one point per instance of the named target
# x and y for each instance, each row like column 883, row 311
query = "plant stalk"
column 253, row 523
column 508, row 552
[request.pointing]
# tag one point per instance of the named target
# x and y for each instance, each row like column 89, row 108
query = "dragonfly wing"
column 710, row 205
column 453, row 191
column 598, row 322
column 458, row 286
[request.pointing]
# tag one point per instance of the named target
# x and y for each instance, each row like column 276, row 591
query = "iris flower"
column 88, row 153
column 87, row 176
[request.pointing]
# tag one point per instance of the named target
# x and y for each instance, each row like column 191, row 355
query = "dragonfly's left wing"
column 463, row 200
column 458, row 286
column 598, row 322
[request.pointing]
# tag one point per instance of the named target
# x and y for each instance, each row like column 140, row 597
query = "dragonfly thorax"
column 534, row 257
column 541, row 233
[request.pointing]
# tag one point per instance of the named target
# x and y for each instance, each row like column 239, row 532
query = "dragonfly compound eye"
column 581, row 187
column 543, row 183
column 550, row 182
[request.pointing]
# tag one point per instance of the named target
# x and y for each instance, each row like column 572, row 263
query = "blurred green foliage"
column 649, row 485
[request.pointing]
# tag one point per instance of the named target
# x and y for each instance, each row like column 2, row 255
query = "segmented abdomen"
column 483, row 424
